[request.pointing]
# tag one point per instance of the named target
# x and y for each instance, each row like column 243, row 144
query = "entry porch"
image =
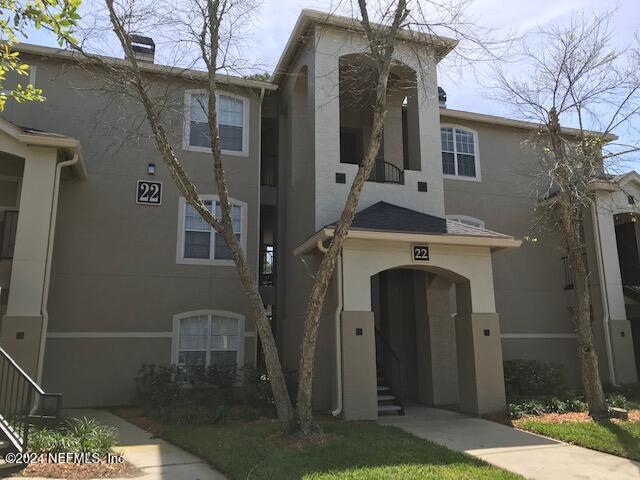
column 417, row 319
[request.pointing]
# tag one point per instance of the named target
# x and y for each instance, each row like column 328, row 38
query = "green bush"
column 530, row 378
column 203, row 395
column 158, row 385
column 521, row 408
column 78, row 435
column 576, row 405
column 256, row 389
column 555, row 405
column 617, row 400
column 163, row 386
column 631, row 391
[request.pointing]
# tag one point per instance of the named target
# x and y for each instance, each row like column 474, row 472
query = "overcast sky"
column 465, row 91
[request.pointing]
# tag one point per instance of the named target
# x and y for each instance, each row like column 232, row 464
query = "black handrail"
column 267, row 271
column 398, row 389
column 23, row 403
column 385, row 172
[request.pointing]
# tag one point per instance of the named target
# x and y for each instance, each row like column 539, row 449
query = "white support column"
column 616, row 323
column 21, row 327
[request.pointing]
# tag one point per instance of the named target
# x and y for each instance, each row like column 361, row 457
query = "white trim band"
column 121, row 334
column 538, row 335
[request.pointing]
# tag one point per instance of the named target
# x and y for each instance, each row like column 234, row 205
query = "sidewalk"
column 157, row 459
column 530, row 455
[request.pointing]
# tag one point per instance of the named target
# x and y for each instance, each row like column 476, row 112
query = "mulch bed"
column 502, row 417
column 79, row 471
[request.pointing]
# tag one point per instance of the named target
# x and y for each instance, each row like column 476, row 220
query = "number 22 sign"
column 420, row 253
column 149, row 193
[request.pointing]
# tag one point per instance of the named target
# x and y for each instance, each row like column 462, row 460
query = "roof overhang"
column 69, row 146
column 309, row 17
column 510, row 122
column 495, row 243
column 153, row 68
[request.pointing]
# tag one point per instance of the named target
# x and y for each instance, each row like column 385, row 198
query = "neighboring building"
column 100, row 274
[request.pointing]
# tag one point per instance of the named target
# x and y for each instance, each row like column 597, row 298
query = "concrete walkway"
column 157, row 459
column 530, row 455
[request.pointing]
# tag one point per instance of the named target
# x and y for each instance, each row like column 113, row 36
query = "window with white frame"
column 198, row 242
column 474, row 222
column 232, row 112
column 207, row 338
column 459, row 152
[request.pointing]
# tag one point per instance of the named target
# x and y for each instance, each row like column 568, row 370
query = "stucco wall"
column 330, row 44
column 114, row 264
column 534, row 308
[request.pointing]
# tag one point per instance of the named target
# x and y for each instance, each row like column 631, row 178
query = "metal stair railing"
column 23, row 403
column 397, row 380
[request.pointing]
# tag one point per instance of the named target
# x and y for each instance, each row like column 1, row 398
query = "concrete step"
column 383, row 388
column 384, row 398
column 390, row 409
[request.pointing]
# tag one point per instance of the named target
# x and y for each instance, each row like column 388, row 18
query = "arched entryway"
column 443, row 313
column 424, row 259
column 414, row 313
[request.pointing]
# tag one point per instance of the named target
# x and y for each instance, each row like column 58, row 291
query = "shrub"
column 631, row 391
column 203, row 395
column 576, row 405
column 555, row 405
column 617, row 400
column 256, row 389
column 73, row 436
column 532, row 378
column 158, row 385
column 525, row 407
column 520, row 408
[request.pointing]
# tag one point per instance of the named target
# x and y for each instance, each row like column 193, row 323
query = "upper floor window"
column 474, row 222
column 460, row 153
column 208, row 337
column 233, row 112
column 198, row 243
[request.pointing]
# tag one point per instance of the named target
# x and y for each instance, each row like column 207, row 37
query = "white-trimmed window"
column 474, row 222
column 233, row 121
column 208, row 337
column 198, row 242
column 460, row 157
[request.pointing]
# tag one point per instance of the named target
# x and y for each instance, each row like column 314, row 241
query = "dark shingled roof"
column 385, row 216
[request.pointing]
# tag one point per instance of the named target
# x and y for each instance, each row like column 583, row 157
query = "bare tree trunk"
column 382, row 46
column 570, row 213
column 223, row 226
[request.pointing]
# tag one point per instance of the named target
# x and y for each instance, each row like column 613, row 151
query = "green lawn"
column 618, row 438
column 355, row 450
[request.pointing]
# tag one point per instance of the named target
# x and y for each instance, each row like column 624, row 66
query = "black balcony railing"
column 267, row 265
column 23, row 403
column 385, row 172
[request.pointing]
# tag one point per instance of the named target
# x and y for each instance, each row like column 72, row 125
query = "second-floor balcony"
column 385, row 172
column 400, row 146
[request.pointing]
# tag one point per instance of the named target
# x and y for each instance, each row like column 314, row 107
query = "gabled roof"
column 35, row 137
column 387, row 222
column 310, row 17
column 384, row 216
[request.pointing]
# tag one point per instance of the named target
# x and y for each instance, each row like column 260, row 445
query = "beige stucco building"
column 104, row 266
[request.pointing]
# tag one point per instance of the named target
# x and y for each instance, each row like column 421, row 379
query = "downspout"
column 338, row 331
column 47, row 270
column 605, row 294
